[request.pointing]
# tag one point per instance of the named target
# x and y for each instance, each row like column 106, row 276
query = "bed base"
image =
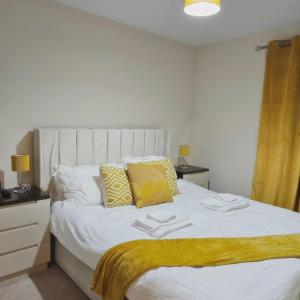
column 75, row 269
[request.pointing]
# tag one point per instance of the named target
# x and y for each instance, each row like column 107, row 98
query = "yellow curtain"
column 277, row 170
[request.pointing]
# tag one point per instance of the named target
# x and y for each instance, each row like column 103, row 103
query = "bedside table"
column 24, row 233
column 197, row 175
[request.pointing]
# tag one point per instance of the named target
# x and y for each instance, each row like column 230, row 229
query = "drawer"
column 24, row 214
column 24, row 259
column 23, row 237
column 201, row 179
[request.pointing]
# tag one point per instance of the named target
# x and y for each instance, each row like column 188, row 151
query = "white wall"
column 226, row 116
column 63, row 67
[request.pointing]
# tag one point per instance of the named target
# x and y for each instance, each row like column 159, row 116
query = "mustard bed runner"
column 123, row 264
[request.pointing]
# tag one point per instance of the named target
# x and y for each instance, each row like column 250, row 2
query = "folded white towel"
column 222, row 206
column 226, row 197
column 152, row 226
column 164, row 230
column 161, row 217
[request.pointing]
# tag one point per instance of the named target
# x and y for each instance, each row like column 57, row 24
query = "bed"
column 84, row 234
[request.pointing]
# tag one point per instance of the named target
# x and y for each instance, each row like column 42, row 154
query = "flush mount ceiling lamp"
column 202, row 8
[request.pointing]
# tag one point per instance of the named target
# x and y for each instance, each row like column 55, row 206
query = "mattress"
column 88, row 232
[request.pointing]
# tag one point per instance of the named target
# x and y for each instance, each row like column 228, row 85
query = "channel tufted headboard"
column 90, row 146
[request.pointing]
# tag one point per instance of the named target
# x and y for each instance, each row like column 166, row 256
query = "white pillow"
column 78, row 186
column 140, row 159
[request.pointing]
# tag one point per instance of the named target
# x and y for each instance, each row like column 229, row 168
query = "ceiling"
column 166, row 17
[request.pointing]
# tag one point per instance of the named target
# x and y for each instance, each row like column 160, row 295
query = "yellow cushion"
column 149, row 184
column 170, row 173
column 117, row 186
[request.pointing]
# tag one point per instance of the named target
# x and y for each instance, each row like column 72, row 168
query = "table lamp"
column 20, row 164
column 184, row 151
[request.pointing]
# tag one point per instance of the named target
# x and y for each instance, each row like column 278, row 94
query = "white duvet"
column 87, row 232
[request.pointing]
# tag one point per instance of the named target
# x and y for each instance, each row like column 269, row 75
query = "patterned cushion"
column 170, row 173
column 149, row 184
column 117, row 186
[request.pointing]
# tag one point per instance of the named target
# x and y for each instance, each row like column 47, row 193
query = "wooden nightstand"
column 24, row 233
column 197, row 175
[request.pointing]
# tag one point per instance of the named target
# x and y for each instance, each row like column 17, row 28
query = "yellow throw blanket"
column 123, row 264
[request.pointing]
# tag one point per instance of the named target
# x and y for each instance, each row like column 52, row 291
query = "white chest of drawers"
column 201, row 179
column 24, row 237
column 197, row 175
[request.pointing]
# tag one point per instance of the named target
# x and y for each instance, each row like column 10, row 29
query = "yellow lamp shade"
column 20, row 163
column 184, row 150
column 202, row 8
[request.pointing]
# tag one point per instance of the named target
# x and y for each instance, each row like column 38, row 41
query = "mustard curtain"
column 277, row 170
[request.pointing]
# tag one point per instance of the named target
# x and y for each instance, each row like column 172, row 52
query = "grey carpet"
column 52, row 284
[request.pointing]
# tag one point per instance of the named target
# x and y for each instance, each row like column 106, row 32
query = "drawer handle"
column 18, row 250
column 18, row 227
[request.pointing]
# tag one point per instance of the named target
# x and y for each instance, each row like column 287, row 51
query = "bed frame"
column 92, row 146
column 89, row 146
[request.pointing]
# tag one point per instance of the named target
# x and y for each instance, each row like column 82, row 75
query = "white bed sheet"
column 87, row 232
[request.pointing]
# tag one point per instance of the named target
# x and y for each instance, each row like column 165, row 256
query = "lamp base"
column 183, row 167
column 182, row 162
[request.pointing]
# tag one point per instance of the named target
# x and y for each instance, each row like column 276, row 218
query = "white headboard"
column 90, row 146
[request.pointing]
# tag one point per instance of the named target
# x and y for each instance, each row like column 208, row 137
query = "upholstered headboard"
column 90, row 146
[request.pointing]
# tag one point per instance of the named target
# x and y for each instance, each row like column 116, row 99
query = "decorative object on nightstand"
column 24, row 232
column 184, row 151
column 197, row 175
column 20, row 164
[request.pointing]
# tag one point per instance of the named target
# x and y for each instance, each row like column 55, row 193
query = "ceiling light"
column 202, row 8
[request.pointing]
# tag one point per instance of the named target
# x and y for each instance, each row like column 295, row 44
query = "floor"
column 52, row 284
